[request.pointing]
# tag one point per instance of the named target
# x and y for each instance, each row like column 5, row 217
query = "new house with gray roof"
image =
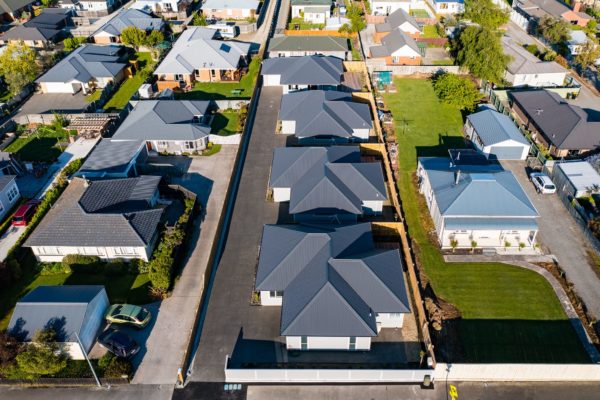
column 327, row 184
column 297, row 46
column 337, row 290
column 11, row 9
column 496, row 135
column 313, row 11
column 70, row 310
column 324, row 116
column 397, row 48
column 168, row 126
column 114, row 159
column 87, row 67
column 476, row 202
column 110, row 219
column 525, row 69
column 302, row 73
column 33, row 36
column 558, row 126
column 110, row 32
column 399, row 19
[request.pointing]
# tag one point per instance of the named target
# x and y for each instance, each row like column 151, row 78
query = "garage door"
column 507, row 152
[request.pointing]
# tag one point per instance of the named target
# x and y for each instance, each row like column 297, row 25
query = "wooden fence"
column 307, row 32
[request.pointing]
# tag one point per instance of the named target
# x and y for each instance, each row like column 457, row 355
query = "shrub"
column 118, row 367
column 81, row 263
column 160, row 269
column 42, row 357
column 138, row 266
column 9, row 349
column 55, row 268
column 105, row 360
column 116, row 267
column 15, row 268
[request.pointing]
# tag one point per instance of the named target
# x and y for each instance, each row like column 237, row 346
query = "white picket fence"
column 231, row 139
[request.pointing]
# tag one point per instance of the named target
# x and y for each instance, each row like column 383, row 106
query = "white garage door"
column 271, row 80
column 507, row 152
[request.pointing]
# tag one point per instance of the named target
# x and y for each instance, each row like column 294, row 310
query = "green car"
column 128, row 314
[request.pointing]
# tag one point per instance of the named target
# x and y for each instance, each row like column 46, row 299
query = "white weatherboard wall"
column 271, row 80
column 388, row 7
column 327, row 343
column 288, row 127
column 537, row 80
column 56, row 253
column 267, row 300
column 519, row 372
column 372, row 206
column 281, row 194
column 389, row 320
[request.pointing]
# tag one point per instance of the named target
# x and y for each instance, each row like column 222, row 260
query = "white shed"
column 496, row 136
column 577, row 178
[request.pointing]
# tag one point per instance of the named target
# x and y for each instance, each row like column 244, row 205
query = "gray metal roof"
column 164, row 120
column 130, row 17
column 50, row 18
column 103, row 224
column 85, row 63
column 333, row 279
column 319, row 184
column 581, row 174
column 10, row 6
column 493, row 127
column 5, row 180
column 309, row 43
column 523, row 62
column 395, row 20
column 65, row 306
column 196, row 48
column 305, row 70
column 566, row 126
column 394, row 41
column 111, row 156
column 22, row 32
column 324, row 113
column 480, row 191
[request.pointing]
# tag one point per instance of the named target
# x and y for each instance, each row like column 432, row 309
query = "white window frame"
column 12, row 194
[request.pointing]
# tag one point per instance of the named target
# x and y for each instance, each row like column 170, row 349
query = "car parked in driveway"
column 119, row 343
column 24, row 213
column 128, row 314
column 542, row 183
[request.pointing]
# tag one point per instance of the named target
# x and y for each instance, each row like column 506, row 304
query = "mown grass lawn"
column 430, row 31
column 223, row 90
column 43, row 145
column 508, row 314
column 226, row 123
column 128, row 88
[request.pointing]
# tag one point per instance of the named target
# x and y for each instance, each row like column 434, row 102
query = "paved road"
column 209, row 178
column 127, row 392
column 229, row 302
column 565, row 239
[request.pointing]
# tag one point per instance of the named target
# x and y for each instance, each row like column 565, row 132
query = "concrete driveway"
column 562, row 237
column 168, row 339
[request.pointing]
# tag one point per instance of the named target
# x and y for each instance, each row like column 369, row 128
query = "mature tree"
column 199, row 19
column 42, row 357
column 9, row 349
column 357, row 22
column 154, row 38
column 71, row 43
column 554, row 30
column 479, row 49
column 18, row 66
column 588, row 54
column 456, row 91
column 485, row 13
column 133, row 36
column 48, row 3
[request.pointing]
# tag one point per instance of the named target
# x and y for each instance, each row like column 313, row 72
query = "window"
column 123, row 251
column 189, row 145
column 162, row 143
column 395, row 315
column 352, row 343
column 168, row 7
column 12, row 194
column 304, row 342
column 276, row 293
column 178, row 77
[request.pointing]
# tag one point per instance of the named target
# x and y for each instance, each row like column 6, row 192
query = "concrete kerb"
column 556, row 286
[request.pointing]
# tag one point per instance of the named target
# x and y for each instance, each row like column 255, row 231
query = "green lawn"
column 418, row 13
column 94, row 96
column 222, row 90
column 41, row 145
column 508, row 314
column 226, row 123
column 128, row 88
column 304, row 25
column 430, row 31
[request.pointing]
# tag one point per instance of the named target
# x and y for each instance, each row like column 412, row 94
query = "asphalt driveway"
column 561, row 236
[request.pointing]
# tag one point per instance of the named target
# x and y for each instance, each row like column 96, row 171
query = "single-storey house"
column 327, row 184
column 528, row 13
column 576, row 178
column 51, row 18
column 324, row 116
column 525, row 69
column 398, row 48
column 168, row 9
column 110, row 32
column 38, row 38
column 96, row 8
column 301, row 73
column 110, row 219
column 114, row 159
column 168, row 126
column 314, row 11
column 387, row 7
column 9, row 193
column 562, row 128
column 10, row 164
column 399, row 19
column 12, row 9
column 85, row 68
column 297, row 46
column 197, row 56
column 69, row 310
column 496, row 136
column 335, row 288
column 445, row 7
column 476, row 204
column 230, row 9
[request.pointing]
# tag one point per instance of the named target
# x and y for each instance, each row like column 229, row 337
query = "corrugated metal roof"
column 308, row 43
column 111, row 157
column 394, row 41
column 581, row 174
column 493, row 127
column 130, row 17
column 305, row 70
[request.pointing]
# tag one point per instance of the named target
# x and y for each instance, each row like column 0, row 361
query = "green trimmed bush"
column 81, row 263
column 118, row 367
column 55, row 268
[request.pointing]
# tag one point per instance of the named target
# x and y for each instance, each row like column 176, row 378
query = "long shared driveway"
column 563, row 237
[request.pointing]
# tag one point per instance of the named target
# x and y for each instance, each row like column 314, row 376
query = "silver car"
column 542, row 183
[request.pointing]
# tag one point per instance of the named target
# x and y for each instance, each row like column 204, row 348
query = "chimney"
column 577, row 5
column 457, row 174
column 86, row 183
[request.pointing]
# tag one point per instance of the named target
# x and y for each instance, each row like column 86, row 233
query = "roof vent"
column 457, row 177
column 539, row 111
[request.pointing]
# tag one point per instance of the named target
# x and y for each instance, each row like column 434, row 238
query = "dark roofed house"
column 110, row 32
column 564, row 129
column 337, row 291
column 327, row 184
column 171, row 126
column 32, row 36
column 115, row 218
column 70, row 310
column 11, row 9
column 295, row 46
column 114, row 159
column 528, row 13
column 401, row 20
column 300, row 73
column 329, row 116
column 397, row 48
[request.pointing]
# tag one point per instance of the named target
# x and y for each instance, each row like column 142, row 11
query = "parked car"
column 119, row 343
column 128, row 314
column 25, row 212
column 542, row 183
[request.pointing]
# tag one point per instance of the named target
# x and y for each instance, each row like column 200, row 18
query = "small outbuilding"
column 69, row 310
column 496, row 136
column 577, row 178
